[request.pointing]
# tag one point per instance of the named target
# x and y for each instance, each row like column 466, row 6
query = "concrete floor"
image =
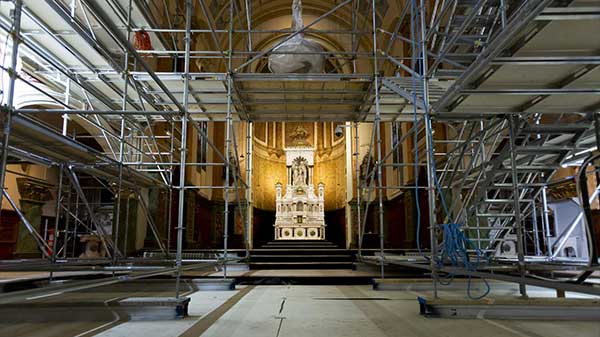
column 202, row 303
column 299, row 311
column 290, row 311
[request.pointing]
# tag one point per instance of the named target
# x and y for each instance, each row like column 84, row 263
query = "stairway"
column 493, row 210
column 538, row 151
column 305, row 254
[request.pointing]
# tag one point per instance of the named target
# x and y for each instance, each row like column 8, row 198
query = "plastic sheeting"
column 299, row 60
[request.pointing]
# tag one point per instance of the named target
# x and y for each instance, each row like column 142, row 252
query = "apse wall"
column 270, row 139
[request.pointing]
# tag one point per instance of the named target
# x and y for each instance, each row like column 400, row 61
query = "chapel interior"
column 299, row 167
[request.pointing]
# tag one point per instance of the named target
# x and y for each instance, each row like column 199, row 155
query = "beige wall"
column 330, row 169
column 194, row 174
column 269, row 169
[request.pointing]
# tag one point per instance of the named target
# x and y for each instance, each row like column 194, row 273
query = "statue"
column 304, row 54
column 302, row 175
column 366, row 166
column 299, row 172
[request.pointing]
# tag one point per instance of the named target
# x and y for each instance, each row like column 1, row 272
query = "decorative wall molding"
column 34, row 190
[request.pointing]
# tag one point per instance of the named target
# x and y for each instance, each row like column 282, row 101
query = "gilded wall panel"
column 269, row 168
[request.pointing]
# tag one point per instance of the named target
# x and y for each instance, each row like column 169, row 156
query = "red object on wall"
column 50, row 240
column 141, row 41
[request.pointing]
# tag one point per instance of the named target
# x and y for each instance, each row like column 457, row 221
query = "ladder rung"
column 545, row 149
column 509, row 185
column 504, row 201
column 532, row 168
column 496, row 215
column 555, row 128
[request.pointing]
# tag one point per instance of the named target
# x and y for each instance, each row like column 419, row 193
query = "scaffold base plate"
column 513, row 308
column 154, row 308
column 211, row 284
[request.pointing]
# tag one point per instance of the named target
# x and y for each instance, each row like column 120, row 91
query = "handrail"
column 584, row 198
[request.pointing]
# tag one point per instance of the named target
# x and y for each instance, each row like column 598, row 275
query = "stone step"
column 306, row 253
column 301, row 258
column 301, row 265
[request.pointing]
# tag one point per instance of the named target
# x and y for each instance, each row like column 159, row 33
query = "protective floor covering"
column 359, row 311
column 301, row 310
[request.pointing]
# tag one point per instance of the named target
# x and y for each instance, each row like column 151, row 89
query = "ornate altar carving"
column 300, row 212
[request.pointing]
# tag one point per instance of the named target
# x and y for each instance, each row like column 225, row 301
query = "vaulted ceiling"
column 265, row 17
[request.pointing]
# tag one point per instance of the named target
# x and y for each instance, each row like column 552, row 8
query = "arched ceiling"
column 266, row 9
column 269, row 16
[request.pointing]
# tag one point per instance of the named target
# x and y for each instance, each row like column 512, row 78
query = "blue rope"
column 455, row 246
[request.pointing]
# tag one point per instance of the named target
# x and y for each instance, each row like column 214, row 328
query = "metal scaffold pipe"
column 117, row 222
column 422, row 60
column 249, row 187
column 358, row 189
column 183, row 148
column 377, row 131
column 8, row 108
column 228, row 127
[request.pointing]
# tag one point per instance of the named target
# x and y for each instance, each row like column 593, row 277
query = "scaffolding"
column 489, row 172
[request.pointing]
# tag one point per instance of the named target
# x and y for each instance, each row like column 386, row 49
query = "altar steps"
column 289, row 244
column 301, row 255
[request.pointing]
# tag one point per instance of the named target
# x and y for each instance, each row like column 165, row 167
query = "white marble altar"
column 300, row 212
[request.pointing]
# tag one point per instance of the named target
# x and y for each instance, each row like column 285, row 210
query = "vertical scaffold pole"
column 183, row 151
column 228, row 126
column 378, row 135
column 249, row 184
column 171, row 185
column 65, row 129
column 421, row 11
column 358, row 190
column 61, row 169
column 117, row 226
column 57, row 218
column 9, row 108
column 516, row 204
column 227, row 174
